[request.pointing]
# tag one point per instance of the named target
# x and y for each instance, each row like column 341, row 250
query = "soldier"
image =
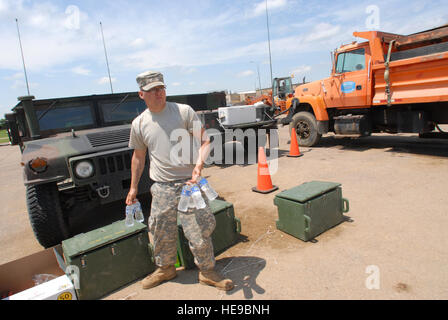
column 151, row 130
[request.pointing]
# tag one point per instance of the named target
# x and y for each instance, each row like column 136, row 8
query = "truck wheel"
column 45, row 213
column 306, row 129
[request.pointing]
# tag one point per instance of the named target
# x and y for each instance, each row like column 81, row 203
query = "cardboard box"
column 16, row 277
column 60, row 288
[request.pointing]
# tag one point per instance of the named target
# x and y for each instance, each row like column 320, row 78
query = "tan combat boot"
column 158, row 276
column 213, row 278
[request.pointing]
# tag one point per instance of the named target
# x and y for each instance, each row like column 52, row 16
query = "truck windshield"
column 282, row 86
column 351, row 61
column 126, row 111
column 65, row 117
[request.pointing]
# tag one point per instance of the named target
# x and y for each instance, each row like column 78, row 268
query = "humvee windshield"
column 58, row 115
column 126, row 111
column 65, row 117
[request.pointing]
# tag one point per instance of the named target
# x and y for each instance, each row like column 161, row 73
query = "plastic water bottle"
column 138, row 213
column 197, row 197
column 184, row 201
column 208, row 190
column 191, row 203
column 129, row 221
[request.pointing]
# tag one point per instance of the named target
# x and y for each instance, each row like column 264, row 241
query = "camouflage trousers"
column 197, row 224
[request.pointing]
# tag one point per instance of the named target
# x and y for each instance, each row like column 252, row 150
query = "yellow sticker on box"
column 65, row 296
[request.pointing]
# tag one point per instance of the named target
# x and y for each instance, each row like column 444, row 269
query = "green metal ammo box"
column 308, row 210
column 225, row 234
column 109, row 258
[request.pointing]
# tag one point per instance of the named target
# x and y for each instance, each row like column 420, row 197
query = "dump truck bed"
column 418, row 66
column 419, row 79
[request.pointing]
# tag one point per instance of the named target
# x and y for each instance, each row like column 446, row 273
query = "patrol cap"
column 149, row 79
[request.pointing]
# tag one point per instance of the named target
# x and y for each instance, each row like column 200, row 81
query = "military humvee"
column 75, row 153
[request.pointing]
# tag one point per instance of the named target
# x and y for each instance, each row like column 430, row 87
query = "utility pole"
column 269, row 39
column 23, row 59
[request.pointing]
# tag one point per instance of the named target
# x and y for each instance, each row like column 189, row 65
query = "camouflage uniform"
column 197, row 224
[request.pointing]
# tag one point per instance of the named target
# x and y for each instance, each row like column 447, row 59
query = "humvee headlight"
column 84, row 169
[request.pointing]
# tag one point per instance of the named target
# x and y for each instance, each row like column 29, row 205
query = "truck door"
column 350, row 79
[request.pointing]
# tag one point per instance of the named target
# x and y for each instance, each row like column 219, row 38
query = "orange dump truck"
column 390, row 83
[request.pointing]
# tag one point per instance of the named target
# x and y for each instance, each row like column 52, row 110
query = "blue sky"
column 200, row 45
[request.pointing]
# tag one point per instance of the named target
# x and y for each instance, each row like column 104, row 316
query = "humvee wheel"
column 45, row 213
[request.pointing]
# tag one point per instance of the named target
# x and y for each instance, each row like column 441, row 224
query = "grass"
column 3, row 136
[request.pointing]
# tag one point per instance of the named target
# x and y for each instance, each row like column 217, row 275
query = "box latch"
column 83, row 261
column 113, row 249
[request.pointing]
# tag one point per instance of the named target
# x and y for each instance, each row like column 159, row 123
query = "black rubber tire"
column 306, row 129
column 45, row 213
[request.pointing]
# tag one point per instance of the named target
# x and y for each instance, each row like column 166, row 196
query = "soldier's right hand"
column 132, row 196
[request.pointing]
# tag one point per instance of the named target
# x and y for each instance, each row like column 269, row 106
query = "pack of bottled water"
column 134, row 212
column 191, row 196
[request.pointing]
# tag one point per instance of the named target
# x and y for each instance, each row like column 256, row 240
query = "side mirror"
column 12, row 128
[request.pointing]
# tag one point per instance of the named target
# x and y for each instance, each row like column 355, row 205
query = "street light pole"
column 269, row 39
column 258, row 73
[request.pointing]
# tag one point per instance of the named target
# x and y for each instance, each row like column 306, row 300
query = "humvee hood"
column 58, row 149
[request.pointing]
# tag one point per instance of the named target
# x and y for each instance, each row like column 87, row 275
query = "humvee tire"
column 45, row 213
column 306, row 129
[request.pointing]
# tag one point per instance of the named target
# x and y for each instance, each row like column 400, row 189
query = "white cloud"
column 138, row 42
column 260, row 7
column 17, row 75
column 3, row 6
column 46, row 41
column 188, row 70
column 104, row 80
column 21, row 84
column 301, row 70
column 246, row 73
column 322, row 31
column 176, row 84
column 81, row 71
column 7, row 6
column 18, row 84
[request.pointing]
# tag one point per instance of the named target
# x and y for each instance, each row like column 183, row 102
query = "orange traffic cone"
column 294, row 148
column 264, row 183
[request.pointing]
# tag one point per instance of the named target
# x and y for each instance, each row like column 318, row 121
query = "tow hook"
column 103, row 191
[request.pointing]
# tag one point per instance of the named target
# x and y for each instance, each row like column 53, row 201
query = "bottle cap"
column 186, row 191
column 202, row 181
